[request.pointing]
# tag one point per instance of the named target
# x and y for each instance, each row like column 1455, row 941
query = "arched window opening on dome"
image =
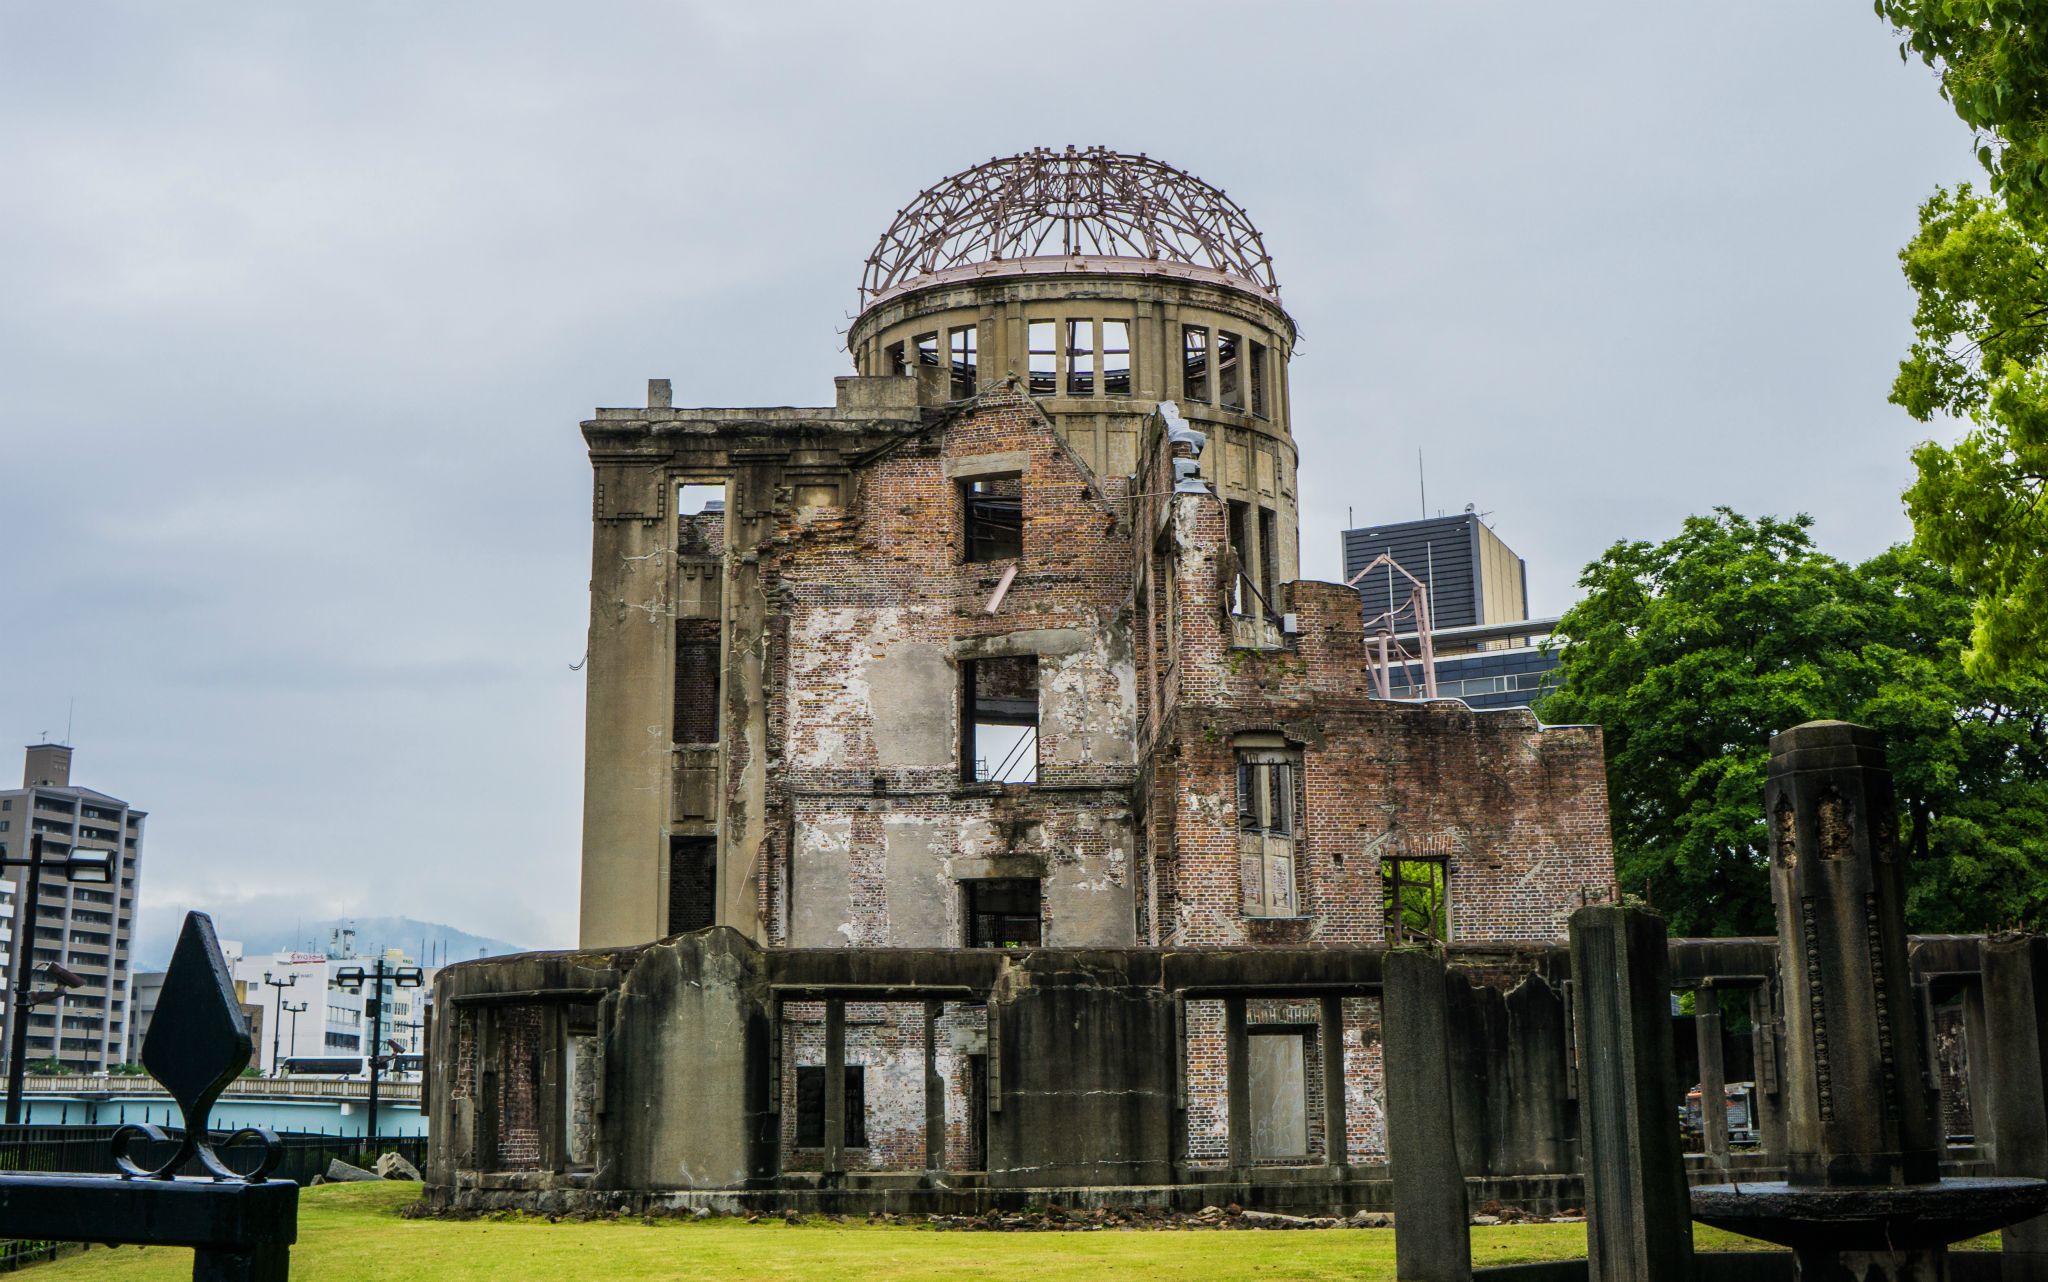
column 1116, row 358
column 1045, row 358
column 1080, row 358
column 961, row 344
column 1194, row 346
column 1229, row 378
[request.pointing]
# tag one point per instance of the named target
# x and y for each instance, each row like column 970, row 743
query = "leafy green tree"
column 1969, row 758
column 1692, row 652
column 1992, row 60
column 1981, row 506
column 1981, row 352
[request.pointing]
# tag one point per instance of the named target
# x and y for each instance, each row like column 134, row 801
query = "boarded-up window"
column 697, row 684
column 692, row 883
column 810, row 1107
column 1278, row 1092
column 1268, row 797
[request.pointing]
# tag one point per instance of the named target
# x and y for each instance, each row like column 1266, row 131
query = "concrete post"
column 934, row 1096
column 1638, row 1212
column 1237, row 1073
column 1770, row 1099
column 1706, row 1027
column 1335, row 1143
column 2015, row 1003
column 1432, row 1238
column 835, row 1086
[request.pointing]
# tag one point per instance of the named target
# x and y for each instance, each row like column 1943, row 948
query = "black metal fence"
column 89, row 1150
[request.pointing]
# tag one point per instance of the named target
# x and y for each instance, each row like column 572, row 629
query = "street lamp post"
column 86, row 867
column 292, row 1009
column 277, row 1015
column 353, row 978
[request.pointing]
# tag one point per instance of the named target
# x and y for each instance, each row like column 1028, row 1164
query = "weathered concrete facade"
column 1004, row 658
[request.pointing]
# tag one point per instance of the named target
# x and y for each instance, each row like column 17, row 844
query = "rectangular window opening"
column 1258, row 368
column 1416, row 899
column 927, row 346
column 1001, row 719
column 1229, row 383
column 893, row 361
column 1116, row 358
column 1045, row 357
column 1080, row 358
column 1003, row 913
column 1194, row 357
column 994, row 510
column 692, row 883
column 697, row 681
column 1268, row 826
column 961, row 348
column 810, row 1107
column 1269, row 553
column 699, row 500
column 1241, row 550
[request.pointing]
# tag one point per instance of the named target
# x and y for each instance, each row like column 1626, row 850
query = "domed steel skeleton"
column 1077, row 203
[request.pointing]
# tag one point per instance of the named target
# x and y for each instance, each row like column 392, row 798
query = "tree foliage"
column 1981, row 352
column 1981, row 506
column 1693, row 652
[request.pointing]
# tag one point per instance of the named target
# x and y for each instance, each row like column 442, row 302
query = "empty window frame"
column 960, row 349
column 893, row 361
column 1416, row 899
column 1258, row 372
column 927, row 346
column 1269, row 554
column 1241, row 601
column 1229, row 370
column 810, row 1107
column 1043, row 339
column 692, row 883
column 1268, row 826
column 1003, row 913
column 999, row 715
column 1080, row 358
column 993, row 510
column 1194, row 363
column 1116, row 358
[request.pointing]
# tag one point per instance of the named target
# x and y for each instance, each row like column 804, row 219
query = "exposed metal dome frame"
column 1091, row 205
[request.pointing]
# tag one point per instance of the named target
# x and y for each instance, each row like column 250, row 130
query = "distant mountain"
column 259, row 932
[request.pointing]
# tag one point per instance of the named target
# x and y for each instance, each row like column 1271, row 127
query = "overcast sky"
column 301, row 305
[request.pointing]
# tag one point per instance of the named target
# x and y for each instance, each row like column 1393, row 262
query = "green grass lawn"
column 353, row 1231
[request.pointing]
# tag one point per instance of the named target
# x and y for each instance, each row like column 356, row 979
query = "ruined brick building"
column 999, row 666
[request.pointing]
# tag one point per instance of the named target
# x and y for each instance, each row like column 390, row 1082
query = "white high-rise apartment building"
column 88, row 929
